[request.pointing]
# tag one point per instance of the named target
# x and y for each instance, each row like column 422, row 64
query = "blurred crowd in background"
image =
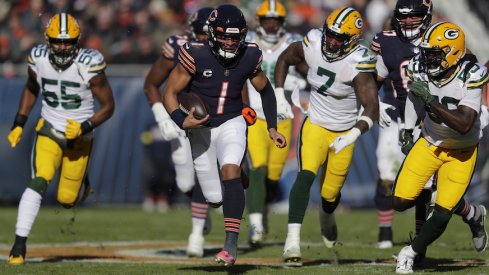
column 131, row 31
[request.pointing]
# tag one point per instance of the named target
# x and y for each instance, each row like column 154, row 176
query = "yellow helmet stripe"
column 429, row 32
column 342, row 16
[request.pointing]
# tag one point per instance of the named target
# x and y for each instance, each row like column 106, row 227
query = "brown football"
column 189, row 100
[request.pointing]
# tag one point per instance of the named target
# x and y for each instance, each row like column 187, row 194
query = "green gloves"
column 421, row 90
column 406, row 139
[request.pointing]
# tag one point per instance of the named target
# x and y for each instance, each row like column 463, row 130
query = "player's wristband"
column 367, row 120
column 178, row 116
column 86, row 127
column 19, row 120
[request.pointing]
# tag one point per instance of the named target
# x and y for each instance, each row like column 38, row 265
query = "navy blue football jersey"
column 396, row 55
column 172, row 45
column 219, row 86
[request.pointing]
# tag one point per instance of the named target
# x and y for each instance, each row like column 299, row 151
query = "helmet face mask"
column 271, row 17
column 412, row 18
column 341, row 33
column 442, row 47
column 335, row 44
column 62, row 35
column 271, row 29
column 434, row 61
column 229, row 44
column 62, row 51
column 227, row 32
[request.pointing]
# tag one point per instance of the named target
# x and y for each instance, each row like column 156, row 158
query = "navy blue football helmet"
column 227, row 31
column 197, row 22
column 409, row 30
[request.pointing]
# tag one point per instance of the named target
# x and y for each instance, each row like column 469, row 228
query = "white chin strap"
column 332, row 56
column 227, row 55
column 435, row 72
column 412, row 33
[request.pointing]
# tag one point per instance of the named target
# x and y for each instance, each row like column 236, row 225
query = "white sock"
column 198, row 226
column 256, row 221
column 29, row 206
column 293, row 235
column 471, row 213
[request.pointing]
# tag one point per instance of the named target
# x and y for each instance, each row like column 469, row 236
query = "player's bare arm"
column 461, row 120
column 102, row 91
column 29, row 96
column 30, row 93
column 302, row 68
column 245, row 95
column 366, row 90
column 261, row 83
column 380, row 81
column 177, row 81
column 158, row 73
column 293, row 55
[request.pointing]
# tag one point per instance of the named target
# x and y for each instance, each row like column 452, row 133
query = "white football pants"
column 225, row 144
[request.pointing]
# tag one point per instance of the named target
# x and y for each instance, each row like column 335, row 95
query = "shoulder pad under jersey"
column 92, row 60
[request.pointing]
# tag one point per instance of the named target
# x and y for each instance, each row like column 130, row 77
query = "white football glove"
column 284, row 111
column 384, row 119
column 344, row 140
column 168, row 129
column 292, row 81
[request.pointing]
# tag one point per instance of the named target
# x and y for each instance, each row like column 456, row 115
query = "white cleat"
column 292, row 255
column 256, row 237
column 405, row 260
column 478, row 228
column 195, row 247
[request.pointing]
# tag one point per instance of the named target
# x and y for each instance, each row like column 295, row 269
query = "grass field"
column 130, row 241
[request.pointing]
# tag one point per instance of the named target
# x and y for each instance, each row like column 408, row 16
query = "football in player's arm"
column 341, row 74
column 69, row 78
column 216, row 70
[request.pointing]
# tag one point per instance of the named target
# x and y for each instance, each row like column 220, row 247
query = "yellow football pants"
column 455, row 168
column 314, row 152
column 262, row 150
column 49, row 156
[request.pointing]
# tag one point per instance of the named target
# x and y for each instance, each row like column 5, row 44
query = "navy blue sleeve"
column 269, row 103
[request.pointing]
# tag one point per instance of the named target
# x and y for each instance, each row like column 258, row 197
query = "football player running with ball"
column 216, row 70
column 69, row 79
column 449, row 102
column 181, row 154
column 265, row 159
column 341, row 74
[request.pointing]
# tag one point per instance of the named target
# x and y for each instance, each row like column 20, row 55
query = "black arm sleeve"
column 269, row 103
